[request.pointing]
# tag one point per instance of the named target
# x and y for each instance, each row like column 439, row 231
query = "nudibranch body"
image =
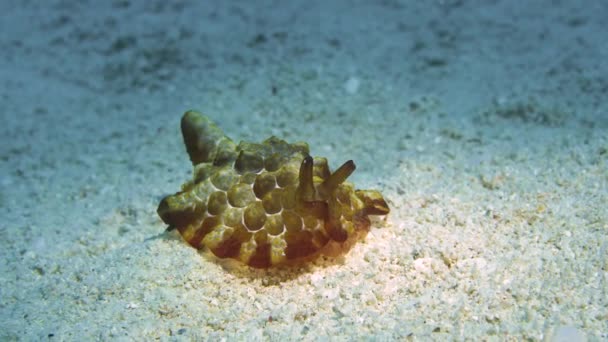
column 265, row 204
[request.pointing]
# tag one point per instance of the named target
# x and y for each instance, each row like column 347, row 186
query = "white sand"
column 483, row 123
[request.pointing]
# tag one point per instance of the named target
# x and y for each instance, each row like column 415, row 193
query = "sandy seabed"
column 484, row 124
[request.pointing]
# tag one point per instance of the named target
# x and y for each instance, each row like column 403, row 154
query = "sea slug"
column 265, row 204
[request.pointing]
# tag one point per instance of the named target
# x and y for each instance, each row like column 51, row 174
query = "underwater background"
column 483, row 123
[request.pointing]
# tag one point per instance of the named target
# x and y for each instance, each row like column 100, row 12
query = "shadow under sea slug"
column 265, row 204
